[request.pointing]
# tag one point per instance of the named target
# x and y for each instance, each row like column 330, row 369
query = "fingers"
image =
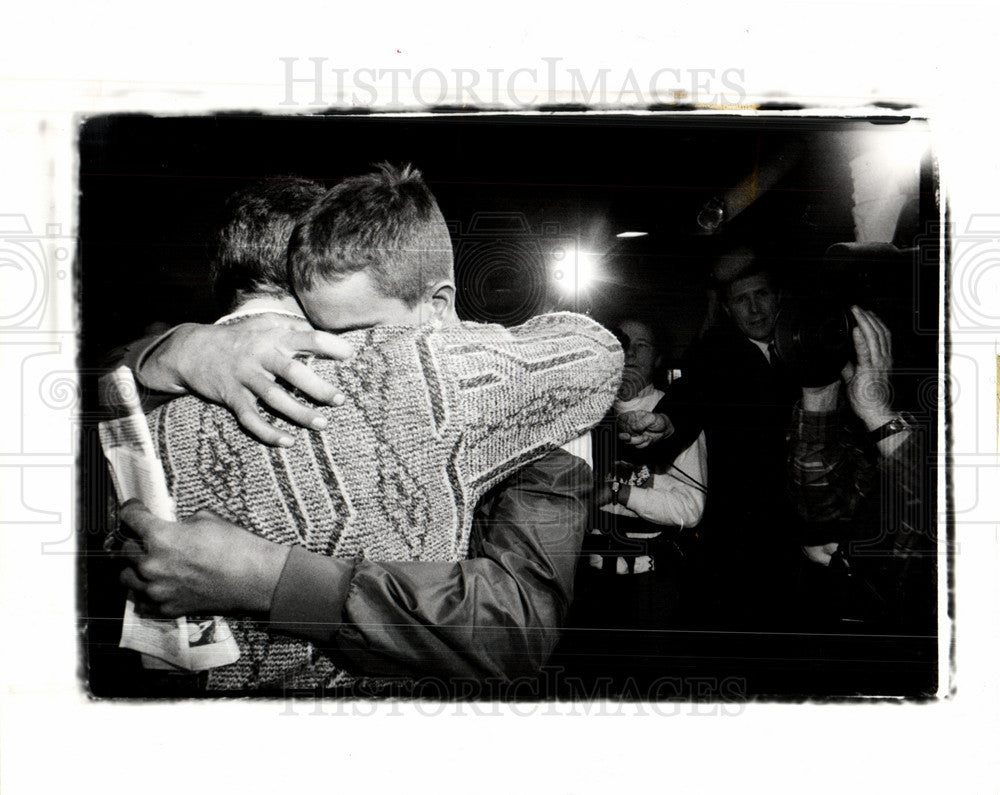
column 625, row 419
column 637, row 421
column 300, row 376
column 148, row 600
column 134, row 551
column 203, row 515
column 635, row 427
column 862, row 338
column 255, row 359
column 646, row 422
column 875, row 340
column 818, row 554
column 279, row 401
column 245, row 410
column 279, row 362
column 133, row 582
column 640, row 429
column 884, row 339
column 321, row 343
column 639, row 440
column 861, row 349
column 877, row 335
column 282, row 320
column 138, row 517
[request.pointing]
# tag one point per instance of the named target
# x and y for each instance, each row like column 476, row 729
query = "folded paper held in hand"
column 192, row 643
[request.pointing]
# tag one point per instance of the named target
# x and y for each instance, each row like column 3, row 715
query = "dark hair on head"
column 386, row 223
column 252, row 244
column 759, row 267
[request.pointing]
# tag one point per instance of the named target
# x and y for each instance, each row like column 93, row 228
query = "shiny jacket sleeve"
column 132, row 355
column 497, row 614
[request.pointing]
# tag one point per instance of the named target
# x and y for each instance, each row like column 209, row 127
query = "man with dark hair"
column 737, row 390
column 251, row 256
column 437, row 411
column 734, row 388
column 751, row 302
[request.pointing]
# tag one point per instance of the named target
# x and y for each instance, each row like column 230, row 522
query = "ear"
column 442, row 300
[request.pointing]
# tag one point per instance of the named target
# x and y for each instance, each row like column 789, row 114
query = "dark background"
column 517, row 191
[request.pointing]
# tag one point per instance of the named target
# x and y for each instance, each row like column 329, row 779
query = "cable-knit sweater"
column 434, row 417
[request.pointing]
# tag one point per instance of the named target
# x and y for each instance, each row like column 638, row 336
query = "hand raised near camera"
column 868, row 390
column 237, row 364
column 642, row 428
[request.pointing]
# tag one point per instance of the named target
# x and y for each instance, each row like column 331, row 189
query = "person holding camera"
column 854, row 475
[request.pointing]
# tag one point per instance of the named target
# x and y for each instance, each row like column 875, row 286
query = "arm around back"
column 497, row 614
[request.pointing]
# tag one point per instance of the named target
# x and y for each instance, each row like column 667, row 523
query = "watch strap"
column 893, row 426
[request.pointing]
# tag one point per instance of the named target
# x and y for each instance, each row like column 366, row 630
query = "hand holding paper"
column 138, row 475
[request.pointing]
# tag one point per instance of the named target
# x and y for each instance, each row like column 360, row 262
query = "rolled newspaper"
column 190, row 644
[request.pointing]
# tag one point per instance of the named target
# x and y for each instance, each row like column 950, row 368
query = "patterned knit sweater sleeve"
column 527, row 390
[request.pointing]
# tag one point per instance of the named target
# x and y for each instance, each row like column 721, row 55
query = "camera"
column 812, row 339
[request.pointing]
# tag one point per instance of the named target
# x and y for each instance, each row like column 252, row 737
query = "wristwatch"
column 615, row 488
column 893, row 426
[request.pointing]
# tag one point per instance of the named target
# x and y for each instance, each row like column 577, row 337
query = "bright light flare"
column 574, row 274
column 625, row 235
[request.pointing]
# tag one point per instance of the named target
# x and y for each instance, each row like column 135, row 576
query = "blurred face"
column 752, row 303
column 641, row 354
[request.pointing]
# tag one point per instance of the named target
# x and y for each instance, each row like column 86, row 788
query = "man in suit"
column 735, row 388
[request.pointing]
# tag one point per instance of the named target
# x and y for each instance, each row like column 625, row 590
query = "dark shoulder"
column 717, row 347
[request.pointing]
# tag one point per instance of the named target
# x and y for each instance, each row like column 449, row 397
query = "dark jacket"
column 743, row 403
column 874, row 506
column 495, row 615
